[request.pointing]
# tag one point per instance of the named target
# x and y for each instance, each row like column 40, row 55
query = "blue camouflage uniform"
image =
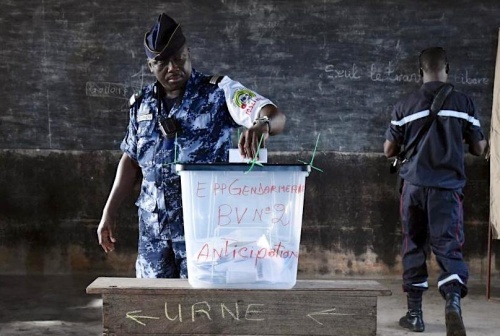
column 205, row 136
column 431, row 199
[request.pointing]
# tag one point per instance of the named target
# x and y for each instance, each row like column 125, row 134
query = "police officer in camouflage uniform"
column 184, row 117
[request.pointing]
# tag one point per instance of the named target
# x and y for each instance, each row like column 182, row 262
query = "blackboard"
column 334, row 67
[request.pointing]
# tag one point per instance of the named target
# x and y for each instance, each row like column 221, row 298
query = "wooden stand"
column 494, row 158
column 489, row 256
column 172, row 307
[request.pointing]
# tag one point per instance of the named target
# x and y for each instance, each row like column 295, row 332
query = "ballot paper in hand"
column 235, row 156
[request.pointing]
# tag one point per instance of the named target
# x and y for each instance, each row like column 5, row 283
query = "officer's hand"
column 105, row 234
column 249, row 140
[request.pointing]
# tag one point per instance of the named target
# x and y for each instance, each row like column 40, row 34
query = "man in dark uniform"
column 184, row 117
column 431, row 197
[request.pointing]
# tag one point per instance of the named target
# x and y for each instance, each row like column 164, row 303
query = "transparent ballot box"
column 242, row 225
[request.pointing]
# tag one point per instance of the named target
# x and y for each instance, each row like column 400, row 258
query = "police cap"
column 164, row 38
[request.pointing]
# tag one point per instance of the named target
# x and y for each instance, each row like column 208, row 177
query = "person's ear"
column 447, row 68
column 150, row 66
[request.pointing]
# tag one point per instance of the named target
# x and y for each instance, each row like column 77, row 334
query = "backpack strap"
column 436, row 106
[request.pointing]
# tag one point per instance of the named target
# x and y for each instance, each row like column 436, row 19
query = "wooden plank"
column 240, row 313
column 106, row 285
column 172, row 307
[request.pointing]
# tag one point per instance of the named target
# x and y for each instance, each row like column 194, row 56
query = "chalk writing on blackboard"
column 389, row 72
column 105, row 89
column 353, row 72
column 464, row 78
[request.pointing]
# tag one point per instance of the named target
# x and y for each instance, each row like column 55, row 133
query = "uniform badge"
column 143, row 117
column 144, row 113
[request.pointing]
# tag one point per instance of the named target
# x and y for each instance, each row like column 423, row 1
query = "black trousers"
column 432, row 218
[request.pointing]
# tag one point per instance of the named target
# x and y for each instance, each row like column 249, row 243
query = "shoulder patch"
column 135, row 97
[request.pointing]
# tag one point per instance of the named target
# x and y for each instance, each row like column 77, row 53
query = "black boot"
column 453, row 315
column 413, row 319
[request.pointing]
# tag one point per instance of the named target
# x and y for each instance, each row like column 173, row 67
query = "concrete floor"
column 58, row 305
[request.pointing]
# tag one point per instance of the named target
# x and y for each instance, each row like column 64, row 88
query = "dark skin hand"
column 478, row 148
column 249, row 140
column 127, row 174
column 390, row 149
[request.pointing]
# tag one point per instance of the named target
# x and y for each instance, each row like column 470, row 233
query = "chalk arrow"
column 131, row 315
column 327, row 312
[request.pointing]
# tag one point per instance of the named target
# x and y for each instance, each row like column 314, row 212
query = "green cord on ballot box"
column 313, row 155
column 254, row 161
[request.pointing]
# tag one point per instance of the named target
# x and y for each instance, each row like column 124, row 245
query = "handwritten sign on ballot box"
column 242, row 226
